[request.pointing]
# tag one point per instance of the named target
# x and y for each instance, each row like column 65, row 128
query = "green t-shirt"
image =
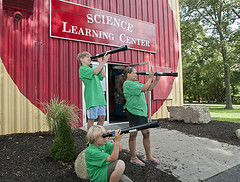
column 135, row 99
column 93, row 93
column 95, row 160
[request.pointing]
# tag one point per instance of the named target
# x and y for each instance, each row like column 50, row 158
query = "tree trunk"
column 226, row 68
column 227, row 87
column 227, row 79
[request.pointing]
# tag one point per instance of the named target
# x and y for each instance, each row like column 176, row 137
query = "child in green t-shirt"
column 136, row 110
column 102, row 156
column 93, row 93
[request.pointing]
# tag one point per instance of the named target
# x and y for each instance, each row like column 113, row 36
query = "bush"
column 54, row 109
column 63, row 145
column 60, row 117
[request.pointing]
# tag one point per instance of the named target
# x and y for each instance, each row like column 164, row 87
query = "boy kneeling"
column 102, row 156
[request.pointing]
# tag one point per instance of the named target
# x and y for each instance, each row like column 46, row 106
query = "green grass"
column 221, row 114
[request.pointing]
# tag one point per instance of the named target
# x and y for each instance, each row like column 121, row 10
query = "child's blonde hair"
column 82, row 55
column 94, row 132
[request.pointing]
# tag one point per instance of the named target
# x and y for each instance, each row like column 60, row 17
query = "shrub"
column 63, row 145
column 60, row 117
column 54, row 109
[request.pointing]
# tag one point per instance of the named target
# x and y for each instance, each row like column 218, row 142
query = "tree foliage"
column 210, row 49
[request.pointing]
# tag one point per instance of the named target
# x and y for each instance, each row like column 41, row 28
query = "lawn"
column 221, row 114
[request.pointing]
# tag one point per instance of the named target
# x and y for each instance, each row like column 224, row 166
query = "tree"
column 216, row 17
column 200, row 61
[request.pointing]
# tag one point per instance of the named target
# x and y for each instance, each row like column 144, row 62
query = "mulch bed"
column 25, row 156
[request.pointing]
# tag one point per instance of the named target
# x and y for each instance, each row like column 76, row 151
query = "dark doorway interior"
column 116, row 100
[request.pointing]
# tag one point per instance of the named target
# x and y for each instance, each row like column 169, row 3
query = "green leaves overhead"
column 210, row 49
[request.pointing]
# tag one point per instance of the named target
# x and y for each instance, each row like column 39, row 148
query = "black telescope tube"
column 153, row 124
column 175, row 74
column 123, row 48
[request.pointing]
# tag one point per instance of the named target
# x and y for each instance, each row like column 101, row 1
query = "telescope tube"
column 153, row 124
column 123, row 48
column 175, row 74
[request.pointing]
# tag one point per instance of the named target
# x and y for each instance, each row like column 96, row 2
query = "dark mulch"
column 25, row 157
column 221, row 131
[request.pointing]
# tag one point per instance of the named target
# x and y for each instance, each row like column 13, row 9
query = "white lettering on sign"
column 132, row 40
column 104, row 35
column 108, row 20
column 64, row 27
column 87, row 32
column 88, row 24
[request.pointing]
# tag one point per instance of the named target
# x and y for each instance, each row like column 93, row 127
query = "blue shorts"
column 94, row 112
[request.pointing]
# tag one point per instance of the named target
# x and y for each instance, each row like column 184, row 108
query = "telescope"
column 175, row 74
column 123, row 48
column 153, row 124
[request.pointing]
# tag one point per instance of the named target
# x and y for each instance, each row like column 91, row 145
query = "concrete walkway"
column 188, row 158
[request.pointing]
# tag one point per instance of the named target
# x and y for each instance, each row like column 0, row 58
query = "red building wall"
column 43, row 67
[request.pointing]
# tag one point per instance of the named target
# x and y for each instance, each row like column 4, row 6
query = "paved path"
column 230, row 175
column 209, row 105
column 189, row 158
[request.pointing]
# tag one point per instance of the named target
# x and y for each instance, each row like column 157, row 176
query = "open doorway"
column 116, row 100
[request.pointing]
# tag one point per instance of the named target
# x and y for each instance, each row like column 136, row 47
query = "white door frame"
column 107, row 92
column 104, row 82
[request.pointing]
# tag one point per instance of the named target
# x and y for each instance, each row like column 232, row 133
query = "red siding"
column 44, row 67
